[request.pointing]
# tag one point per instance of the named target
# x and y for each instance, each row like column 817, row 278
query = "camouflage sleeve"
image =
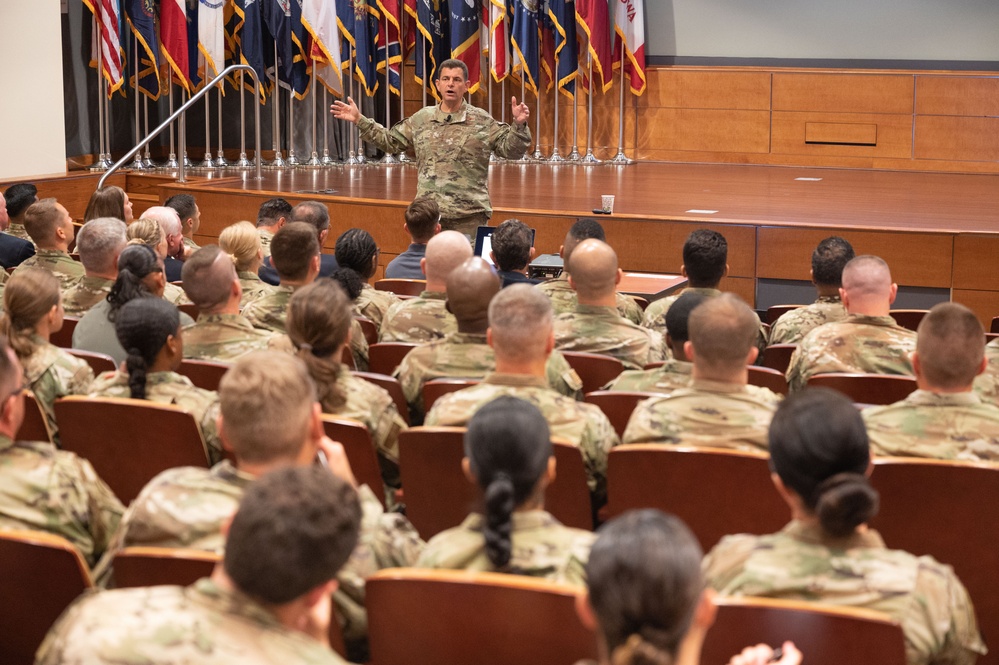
column 574, row 573
column 104, row 509
column 598, row 439
column 209, row 427
column 629, row 309
column 562, row 377
column 411, row 381
column 397, row 139
column 387, row 423
column 657, row 347
column 655, row 316
column 51, row 650
column 724, row 563
column 796, row 378
column 650, row 425
column 945, row 630
column 393, row 541
column 509, row 141
column 359, row 351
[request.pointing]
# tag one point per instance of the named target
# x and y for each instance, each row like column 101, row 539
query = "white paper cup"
column 607, row 203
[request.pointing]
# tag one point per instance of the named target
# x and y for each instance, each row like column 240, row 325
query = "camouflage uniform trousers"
column 418, row 320
column 708, row 413
column 925, row 597
column 541, row 546
column 374, row 304
column 792, row 326
column 79, row 298
column 57, row 262
column 51, row 373
column 866, row 344
column 672, row 375
column 596, row 329
column 564, row 299
column 452, row 153
column 270, row 312
column 254, row 288
column 222, row 338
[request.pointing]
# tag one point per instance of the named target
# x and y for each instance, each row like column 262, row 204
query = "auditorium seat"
column 63, row 338
column 908, row 318
column 767, row 378
column 774, row 312
column 402, row 287
column 347, row 358
column 204, row 374
column 392, row 387
column 594, row 369
column 437, row 388
column 867, row 388
column 617, row 405
column 384, row 357
column 994, row 327
column 369, row 329
column 99, row 362
column 360, row 450
column 448, row 617
column 190, row 309
column 154, row 566
column 778, row 356
column 34, row 427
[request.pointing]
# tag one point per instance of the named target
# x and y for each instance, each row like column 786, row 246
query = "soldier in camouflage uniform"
column 520, row 324
column 425, row 318
column 596, row 326
column 51, row 228
column 356, row 250
column 263, row 604
column 827, row 554
column 944, row 419
column 452, row 142
column 296, row 258
column 190, row 219
column 466, row 353
column 45, row 489
column 718, row 409
column 272, row 215
column 220, row 333
column 99, row 243
column 867, row 341
column 828, row 260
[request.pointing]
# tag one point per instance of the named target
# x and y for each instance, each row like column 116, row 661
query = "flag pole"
column 183, row 135
column 556, row 157
column 171, row 162
column 589, row 158
column 620, row 157
column 489, row 93
column 243, row 162
column 327, row 160
column 388, row 158
column 352, row 159
column 537, row 156
column 424, row 82
column 207, row 163
column 574, row 155
column 402, row 156
column 221, row 161
column 102, row 162
column 138, row 164
column 314, row 157
column 293, row 159
column 278, row 162
column 147, row 158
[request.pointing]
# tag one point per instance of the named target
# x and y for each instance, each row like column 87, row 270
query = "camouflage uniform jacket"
column 222, row 338
column 374, row 407
column 937, row 425
column 265, row 241
column 176, row 295
column 672, row 375
column 254, row 288
column 708, row 413
column 452, row 153
column 468, row 356
column 564, row 299
column 171, row 388
column 373, row 303
column 44, row 489
column 792, row 326
column 801, row 563
column 655, row 314
column 541, row 547
column 165, row 625
column 418, row 320
column 986, row 384
column 51, row 373
column 584, row 425
column 190, row 244
column 18, row 231
column 871, row 344
column 57, row 262
column 270, row 312
column 79, row 298
column 598, row 329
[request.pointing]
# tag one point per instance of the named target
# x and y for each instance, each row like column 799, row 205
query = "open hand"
column 519, row 112
column 762, row 654
column 345, row 111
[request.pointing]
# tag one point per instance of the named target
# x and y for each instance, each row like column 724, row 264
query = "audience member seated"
column 520, row 332
column 242, row 242
column 675, row 372
column 562, row 295
column 295, row 252
column 596, row 326
column 719, row 408
column 51, row 229
column 425, row 317
column 820, row 458
column 868, row 340
column 149, row 232
column 45, row 489
column 352, row 286
column 467, row 353
column 512, row 251
column 19, row 198
column 220, row 333
column 508, row 454
column 32, row 312
column 109, row 201
column 944, row 418
column 828, row 261
column 268, row 601
column 423, row 222
column 317, row 216
column 140, row 275
column 14, row 249
column 190, row 219
column 356, row 250
column 169, row 222
column 319, row 320
column 645, row 596
column 271, row 216
column 269, row 420
column 99, row 244
column 150, row 329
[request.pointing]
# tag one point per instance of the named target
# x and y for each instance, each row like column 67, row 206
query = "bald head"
column 445, row 252
column 593, row 271
column 470, row 288
column 723, row 334
column 867, row 287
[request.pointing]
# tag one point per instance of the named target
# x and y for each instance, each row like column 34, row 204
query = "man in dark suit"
column 316, row 215
column 14, row 250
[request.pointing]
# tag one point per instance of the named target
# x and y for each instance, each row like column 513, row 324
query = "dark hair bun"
column 844, row 502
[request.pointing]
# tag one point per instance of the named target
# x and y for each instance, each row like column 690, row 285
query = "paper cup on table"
column 607, row 203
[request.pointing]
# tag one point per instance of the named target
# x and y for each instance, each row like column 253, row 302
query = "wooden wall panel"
column 843, row 93
column 705, row 130
column 893, row 134
column 957, row 138
column 975, row 265
column 705, row 89
column 72, row 191
column 957, row 95
column 985, row 304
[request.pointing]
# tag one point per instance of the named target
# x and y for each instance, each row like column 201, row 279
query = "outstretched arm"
column 346, row 111
column 519, row 112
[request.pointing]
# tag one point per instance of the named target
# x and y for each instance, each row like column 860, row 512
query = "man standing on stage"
column 452, row 142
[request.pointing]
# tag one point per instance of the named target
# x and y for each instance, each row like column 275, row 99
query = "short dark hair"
column 452, row 63
column 705, row 255
column 586, row 228
column 293, row 247
column 678, row 315
column 184, row 204
column 313, row 213
column 828, row 260
column 422, row 217
column 294, row 530
column 19, row 197
column 512, row 242
column 950, row 345
column 354, row 249
column 272, row 210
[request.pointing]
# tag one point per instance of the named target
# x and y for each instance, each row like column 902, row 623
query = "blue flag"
column 359, row 23
column 563, row 16
column 288, row 72
column 466, row 31
column 255, row 45
column 141, row 16
column 525, row 40
column 192, row 44
column 299, row 38
column 432, row 18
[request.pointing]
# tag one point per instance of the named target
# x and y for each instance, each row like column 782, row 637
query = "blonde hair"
column 242, row 243
column 319, row 320
column 30, row 294
column 147, row 231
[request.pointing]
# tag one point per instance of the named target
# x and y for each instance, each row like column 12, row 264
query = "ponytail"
column 499, row 505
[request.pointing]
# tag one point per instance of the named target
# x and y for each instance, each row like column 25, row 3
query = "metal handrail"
column 181, row 113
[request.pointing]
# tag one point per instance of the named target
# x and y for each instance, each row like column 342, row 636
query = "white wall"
column 32, row 129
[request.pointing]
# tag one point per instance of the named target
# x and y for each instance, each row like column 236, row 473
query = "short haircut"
column 19, row 197
column 99, row 242
column 184, row 204
column 512, row 242
column 722, row 330
column 167, row 218
column 313, row 213
column 828, row 260
column 242, row 242
column 867, row 276
column 207, row 276
column 950, row 345
column 41, row 220
column 452, row 63
column 294, row 530
column 355, row 249
column 108, row 201
column 520, row 320
column 266, row 399
column 422, row 217
column 272, row 210
column 678, row 315
column 292, row 250
column 705, row 255
column 585, row 228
